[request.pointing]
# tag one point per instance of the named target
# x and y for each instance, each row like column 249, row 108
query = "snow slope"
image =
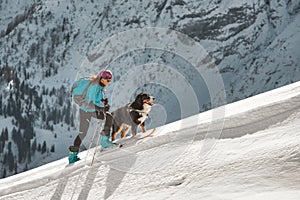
column 44, row 43
column 257, row 156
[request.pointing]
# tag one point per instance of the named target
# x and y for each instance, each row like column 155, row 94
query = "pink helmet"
column 106, row 74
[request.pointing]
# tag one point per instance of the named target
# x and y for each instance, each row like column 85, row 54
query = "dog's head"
column 144, row 98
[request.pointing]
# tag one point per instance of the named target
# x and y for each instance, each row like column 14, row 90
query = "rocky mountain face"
column 253, row 45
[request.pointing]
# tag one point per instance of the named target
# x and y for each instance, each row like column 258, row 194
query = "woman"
column 94, row 105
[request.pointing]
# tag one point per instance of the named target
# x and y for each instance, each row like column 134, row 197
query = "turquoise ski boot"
column 73, row 154
column 73, row 157
column 105, row 142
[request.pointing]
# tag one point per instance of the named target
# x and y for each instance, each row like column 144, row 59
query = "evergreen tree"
column 52, row 149
column 16, row 168
column 5, row 159
column 67, row 115
column 44, row 147
column 3, row 138
column 33, row 147
column 1, row 112
column 39, row 149
column 26, row 167
column 1, row 147
column 16, row 135
column 54, row 114
column 4, row 173
column 22, row 86
column 6, row 134
column 10, row 161
column 5, row 111
column 72, row 121
column 43, row 115
column 60, row 99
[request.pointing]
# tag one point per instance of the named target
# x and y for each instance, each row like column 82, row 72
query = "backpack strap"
column 86, row 89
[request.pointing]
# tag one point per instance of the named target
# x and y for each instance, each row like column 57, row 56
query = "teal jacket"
column 93, row 94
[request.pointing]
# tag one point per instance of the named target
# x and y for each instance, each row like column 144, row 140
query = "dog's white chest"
column 143, row 118
column 144, row 113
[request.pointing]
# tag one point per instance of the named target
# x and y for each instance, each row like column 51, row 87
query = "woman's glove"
column 104, row 101
column 106, row 107
column 99, row 112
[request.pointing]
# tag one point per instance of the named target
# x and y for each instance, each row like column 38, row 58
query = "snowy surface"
column 255, row 41
column 257, row 156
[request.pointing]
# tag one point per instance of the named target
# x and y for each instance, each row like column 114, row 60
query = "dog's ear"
column 138, row 98
column 146, row 96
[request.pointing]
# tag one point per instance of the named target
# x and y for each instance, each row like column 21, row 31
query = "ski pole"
column 99, row 136
column 92, row 140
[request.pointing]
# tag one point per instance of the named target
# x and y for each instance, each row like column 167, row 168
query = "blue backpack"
column 78, row 92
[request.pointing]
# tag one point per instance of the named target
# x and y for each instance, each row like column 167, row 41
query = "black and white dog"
column 132, row 115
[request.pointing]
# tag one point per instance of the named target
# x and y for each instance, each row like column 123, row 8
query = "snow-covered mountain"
column 255, row 155
column 244, row 48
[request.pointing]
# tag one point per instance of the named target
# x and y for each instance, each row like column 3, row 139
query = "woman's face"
column 105, row 81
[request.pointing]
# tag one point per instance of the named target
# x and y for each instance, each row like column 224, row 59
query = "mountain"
column 243, row 48
column 254, row 155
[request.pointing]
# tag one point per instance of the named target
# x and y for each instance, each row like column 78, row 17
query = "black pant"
column 85, row 118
